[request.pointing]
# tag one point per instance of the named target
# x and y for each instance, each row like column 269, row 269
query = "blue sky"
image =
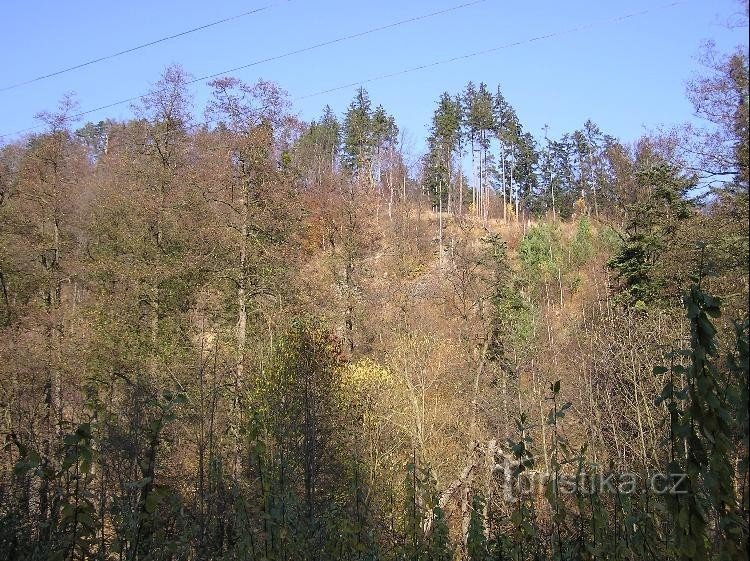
column 627, row 76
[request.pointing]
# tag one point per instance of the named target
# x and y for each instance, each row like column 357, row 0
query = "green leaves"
column 476, row 542
column 541, row 252
column 704, row 428
column 648, row 233
column 581, row 247
column 27, row 462
column 365, row 131
column 155, row 496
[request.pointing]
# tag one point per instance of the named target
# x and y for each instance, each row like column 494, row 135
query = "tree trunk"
column 241, row 327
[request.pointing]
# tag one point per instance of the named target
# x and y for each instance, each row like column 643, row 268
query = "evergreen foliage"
column 652, row 225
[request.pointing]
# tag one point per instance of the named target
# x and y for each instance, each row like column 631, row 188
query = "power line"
column 273, row 58
column 492, row 49
column 550, row 35
column 139, row 47
column 344, row 38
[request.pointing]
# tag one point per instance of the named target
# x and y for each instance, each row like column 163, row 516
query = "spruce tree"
column 442, row 146
column 358, row 138
column 652, row 225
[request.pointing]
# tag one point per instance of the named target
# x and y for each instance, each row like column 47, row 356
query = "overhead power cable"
column 492, row 49
column 341, row 39
column 582, row 27
column 139, row 47
column 273, row 58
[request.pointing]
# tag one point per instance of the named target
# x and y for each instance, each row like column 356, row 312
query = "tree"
column 557, row 178
column 95, row 137
column 144, row 272
column 385, row 135
column 525, row 161
column 439, row 175
column 316, row 152
column 252, row 117
column 480, row 121
column 652, row 225
column 503, row 114
column 358, row 140
column 721, row 151
column 39, row 259
column 588, row 146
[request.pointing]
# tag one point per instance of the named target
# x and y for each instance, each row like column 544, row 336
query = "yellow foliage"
column 580, row 207
column 365, row 376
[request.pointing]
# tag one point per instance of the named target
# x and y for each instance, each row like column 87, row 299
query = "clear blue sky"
column 627, row 76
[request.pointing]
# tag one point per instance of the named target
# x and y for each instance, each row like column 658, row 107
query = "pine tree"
column 479, row 122
column 316, row 153
column 439, row 175
column 358, row 137
column 653, row 223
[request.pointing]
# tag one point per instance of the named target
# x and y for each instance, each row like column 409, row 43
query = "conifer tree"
column 653, row 223
column 439, row 174
column 358, row 138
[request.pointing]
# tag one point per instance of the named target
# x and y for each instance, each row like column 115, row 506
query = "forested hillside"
column 227, row 333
